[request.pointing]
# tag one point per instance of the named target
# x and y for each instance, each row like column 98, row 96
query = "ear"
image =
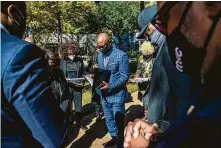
column 213, row 8
column 11, row 10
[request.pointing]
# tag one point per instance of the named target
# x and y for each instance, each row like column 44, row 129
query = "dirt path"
column 97, row 133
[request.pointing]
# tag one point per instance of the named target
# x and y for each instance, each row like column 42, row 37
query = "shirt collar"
column 4, row 28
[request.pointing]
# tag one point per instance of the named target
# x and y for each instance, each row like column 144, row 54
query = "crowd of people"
column 180, row 57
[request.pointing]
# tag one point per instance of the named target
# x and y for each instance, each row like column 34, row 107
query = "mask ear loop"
column 209, row 36
column 20, row 15
column 16, row 22
column 210, row 33
column 165, row 9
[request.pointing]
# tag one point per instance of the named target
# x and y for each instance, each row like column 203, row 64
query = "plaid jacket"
column 118, row 64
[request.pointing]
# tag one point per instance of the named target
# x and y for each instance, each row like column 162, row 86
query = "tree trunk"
column 141, row 5
column 59, row 28
column 78, row 37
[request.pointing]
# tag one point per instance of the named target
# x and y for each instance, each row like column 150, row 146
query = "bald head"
column 103, row 42
column 103, row 38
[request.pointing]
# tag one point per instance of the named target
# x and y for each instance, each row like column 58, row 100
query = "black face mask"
column 105, row 50
column 185, row 57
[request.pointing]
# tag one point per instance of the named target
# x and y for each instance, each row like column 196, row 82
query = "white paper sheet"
column 140, row 80
column 90, row 80
column 76, row 81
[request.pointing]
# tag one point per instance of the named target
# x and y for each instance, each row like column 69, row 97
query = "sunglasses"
column 101, row 47
column 160, row 19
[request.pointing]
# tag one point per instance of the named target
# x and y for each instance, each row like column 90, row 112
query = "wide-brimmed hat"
column 144, row 19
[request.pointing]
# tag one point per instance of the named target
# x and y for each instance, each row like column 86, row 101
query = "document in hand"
column 90, row 80
column 76, row 81
column 100, row 76
column 140, row 80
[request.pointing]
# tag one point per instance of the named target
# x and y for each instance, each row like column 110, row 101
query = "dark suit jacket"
column 29, row 115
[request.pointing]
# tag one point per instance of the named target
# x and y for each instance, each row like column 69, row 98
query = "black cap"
column 144, row 18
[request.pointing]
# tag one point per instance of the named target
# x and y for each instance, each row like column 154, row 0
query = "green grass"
column 86, row 96
column 131, row 87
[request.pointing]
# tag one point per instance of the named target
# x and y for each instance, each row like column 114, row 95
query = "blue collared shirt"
column 4, row 28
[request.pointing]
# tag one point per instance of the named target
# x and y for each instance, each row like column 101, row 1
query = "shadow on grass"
column 130, row 98
column 97, row 130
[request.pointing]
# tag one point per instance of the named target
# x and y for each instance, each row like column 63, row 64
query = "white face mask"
column 71, row 57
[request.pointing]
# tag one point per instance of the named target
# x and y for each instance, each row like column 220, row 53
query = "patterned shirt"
column 144, row 67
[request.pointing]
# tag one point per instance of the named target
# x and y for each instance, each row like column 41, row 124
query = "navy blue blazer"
column 118, row 64
column 29, row 115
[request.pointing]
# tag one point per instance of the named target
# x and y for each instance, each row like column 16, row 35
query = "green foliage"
column 133, row 53
column 118, row 15
column 150, row 3
column 48, row 18
column 57, row 17
column 87, row 96
column 132, row 87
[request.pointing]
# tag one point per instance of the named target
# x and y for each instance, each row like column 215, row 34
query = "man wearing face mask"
column 29, row 114
column 155, row 96
column 113, row 93
column 73, row 67
column 194, row 76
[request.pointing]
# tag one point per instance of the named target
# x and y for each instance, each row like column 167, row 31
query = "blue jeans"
column 77, row 101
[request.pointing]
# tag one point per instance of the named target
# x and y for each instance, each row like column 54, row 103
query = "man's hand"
column 106, row 86
column 138, row 133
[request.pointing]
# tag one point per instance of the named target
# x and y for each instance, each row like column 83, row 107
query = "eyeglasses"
column 160, row 19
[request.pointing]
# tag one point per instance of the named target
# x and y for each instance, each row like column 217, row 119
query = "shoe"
column 82, row 126
column 112, row 142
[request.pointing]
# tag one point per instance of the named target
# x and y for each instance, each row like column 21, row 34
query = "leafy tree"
column 58, row 17
column 118, row 15
column 50, row 18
